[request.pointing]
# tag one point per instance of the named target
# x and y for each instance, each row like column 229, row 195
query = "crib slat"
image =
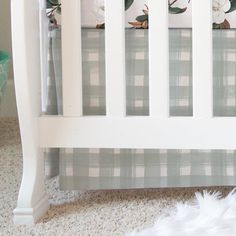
column 158, row 58
column 115, row 58
column 202, row 59
column 71, row 58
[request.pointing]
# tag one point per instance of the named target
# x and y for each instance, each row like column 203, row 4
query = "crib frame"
column 115, row 130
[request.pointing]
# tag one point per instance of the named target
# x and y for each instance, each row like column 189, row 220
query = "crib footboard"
column 115, row 130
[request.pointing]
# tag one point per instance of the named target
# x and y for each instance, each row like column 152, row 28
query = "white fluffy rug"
column 208, row 215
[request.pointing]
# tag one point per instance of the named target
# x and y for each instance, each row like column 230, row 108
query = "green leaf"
column 177, row 10
column 59, row 9
column 128, row 4
column 223, row 25
column 52, row 3
column 215, row 26
column 100, row 26
column 49, row 5
column 233, row 6
column 142, row 18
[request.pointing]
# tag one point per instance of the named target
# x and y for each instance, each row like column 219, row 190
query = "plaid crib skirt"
column 126, row 168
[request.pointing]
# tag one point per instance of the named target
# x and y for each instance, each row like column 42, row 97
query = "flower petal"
column 226, row 6
column 219, row 18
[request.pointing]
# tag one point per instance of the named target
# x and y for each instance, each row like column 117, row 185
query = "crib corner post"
column 32, row 201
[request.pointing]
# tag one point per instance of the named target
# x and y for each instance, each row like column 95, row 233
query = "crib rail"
column 115, row 130
column 138, row 132
column 158, row 55
column 158, row 130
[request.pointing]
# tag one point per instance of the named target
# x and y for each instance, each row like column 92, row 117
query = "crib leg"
column 32, row 200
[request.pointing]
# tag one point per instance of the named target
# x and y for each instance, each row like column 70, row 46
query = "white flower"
column 219, row 8
column 179, row 3
column 99, row 11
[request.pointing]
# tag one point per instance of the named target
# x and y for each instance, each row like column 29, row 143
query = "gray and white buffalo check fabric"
column 120, row 168
column 126, row 168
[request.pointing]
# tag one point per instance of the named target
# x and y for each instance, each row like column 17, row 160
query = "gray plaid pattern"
column 137, row 84
column 52, row 101
column 125, row 168
column 224, row 69
column 180, row 43
column 93, row 66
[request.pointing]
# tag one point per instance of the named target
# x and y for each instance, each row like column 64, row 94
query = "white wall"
column 5, row 28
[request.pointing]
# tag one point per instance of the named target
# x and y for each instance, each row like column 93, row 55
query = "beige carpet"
column 79, row 213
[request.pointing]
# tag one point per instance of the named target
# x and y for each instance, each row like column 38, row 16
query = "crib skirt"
column 129, row 168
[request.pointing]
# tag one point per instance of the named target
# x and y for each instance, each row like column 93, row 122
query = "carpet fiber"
column 80, row 213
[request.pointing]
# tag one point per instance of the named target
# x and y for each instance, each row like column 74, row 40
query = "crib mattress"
column 118, row 168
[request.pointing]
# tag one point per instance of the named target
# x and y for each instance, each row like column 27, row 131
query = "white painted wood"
column 32, row 200
column 138, row 132
column 158, row 58
column 115, row 58
column 114, row 131
column 44, row 43
column 71, row 58
column 29, row 216
column 202, row 59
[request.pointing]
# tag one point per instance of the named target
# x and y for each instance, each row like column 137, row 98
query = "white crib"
column 115, row 130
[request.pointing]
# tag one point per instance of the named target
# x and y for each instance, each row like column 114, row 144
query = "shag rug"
column 109, row 213
column 208, row 215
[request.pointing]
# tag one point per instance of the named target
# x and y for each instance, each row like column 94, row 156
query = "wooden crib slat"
column 202, row 59
column 158, row 58
column 71, row 58
column 115, row 58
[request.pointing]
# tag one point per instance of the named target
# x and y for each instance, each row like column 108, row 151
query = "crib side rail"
column 138, row 132
column 157, row 130
column 158, row 55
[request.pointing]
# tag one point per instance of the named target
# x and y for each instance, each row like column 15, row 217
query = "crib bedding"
column 119, row 168
column 137, row 91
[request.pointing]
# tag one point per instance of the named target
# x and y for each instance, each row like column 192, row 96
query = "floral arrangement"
column 100, row 10
column 142, row 20
column 53, row 6
column 220, row 9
